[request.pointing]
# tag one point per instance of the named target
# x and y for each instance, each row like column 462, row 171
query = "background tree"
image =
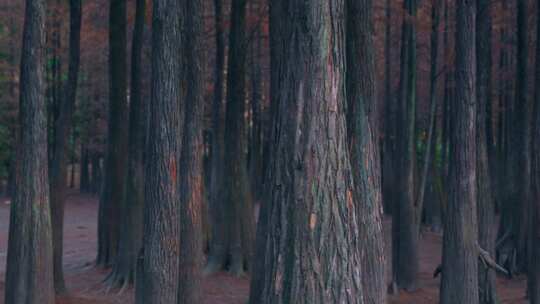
column 460, row 247
column 484, row 195
column 404, row 221
column 29, row 275
column 63, row 126
column 117, row 141
column 239, row 225
column 131, row 230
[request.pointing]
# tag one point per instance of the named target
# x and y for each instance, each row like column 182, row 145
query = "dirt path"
column 84, row 280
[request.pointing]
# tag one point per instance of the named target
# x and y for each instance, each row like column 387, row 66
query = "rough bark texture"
column 239, row 224
column 459, row 283
column 364, row 147
column 312, row 248
column 117, row 141
column 405, row 232
column 161, row 215
column 485, row 201
column 191, row 161
column 29, row 273
column 62, row 129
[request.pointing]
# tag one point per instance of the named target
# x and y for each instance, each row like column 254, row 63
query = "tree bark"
column 312, row 250
column 389, row 136
column 191, row 161
column 161, row 209
column 364, row 147
column 404, row 232
column 460, row 247
column 485, row 201
column 117, row 142
column 29, row 273
column 534, row 236
column 63, row 128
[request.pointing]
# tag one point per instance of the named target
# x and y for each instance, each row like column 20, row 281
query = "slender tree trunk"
column 534, row 236
column 62, row 130
column 460, row 251
column 191, row 181
column 117, row 141
column 435, row 17
column 389, row 138
column 97, row 173
column 219, row 238
column 29, row 273
column 239, row 221
column 131, row 230
column 365, row 152
column 161, row 215
column 312, row 251
column 84, row 178
column 405, row 232
column 485, row 202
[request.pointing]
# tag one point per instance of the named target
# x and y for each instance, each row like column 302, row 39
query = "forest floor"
column 85, row 286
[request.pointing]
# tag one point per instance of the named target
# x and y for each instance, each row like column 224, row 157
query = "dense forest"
column 269, row 151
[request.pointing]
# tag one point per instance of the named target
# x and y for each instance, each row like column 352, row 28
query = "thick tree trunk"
column 312, row 251
column 117, row 142
column 364, row 147
column 485, row 201
column 191, row 160
column 131, row 230
column 219, row 237
column 405, row 232
column 460, row 253
column 62, row 130
column 161, row 215
column 29, row 273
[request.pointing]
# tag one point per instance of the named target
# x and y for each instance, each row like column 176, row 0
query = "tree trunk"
column 405, row 232
column 117, row 142
column 219, row 238
column 84, row 177
column 161, row 209
column 364, row 147
column 131, row 230
column 435, row 21
column 63, row 126
column 460, row 253
column 389, row 137
column 534, row 236
column 97, row 174
column 29, row 273
column 191, row 160
column 236, row 196
column 485, row 202
column 312, row 251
